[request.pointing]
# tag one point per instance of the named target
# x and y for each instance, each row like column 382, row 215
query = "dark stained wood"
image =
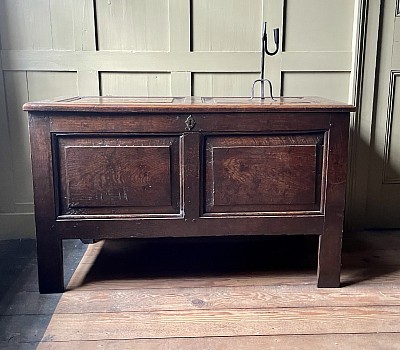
column 210, row 224
column 175, row 123
column 330, row 242
column 262, row 173
column 49, row 243
column 192, row 185
column 119, row 175
column 182, row 104
column 123, row 167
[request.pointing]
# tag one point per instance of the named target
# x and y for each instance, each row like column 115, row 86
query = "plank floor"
column 218, row 293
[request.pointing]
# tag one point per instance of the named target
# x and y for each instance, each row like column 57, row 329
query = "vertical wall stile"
column 179, row 43
column 273, row 14
column 6, row 174
column 85, row 37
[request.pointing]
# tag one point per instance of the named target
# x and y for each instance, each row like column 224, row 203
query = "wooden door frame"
column 366, row 37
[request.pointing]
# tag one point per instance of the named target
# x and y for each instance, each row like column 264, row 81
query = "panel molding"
column 389, row 122
column 398, row 8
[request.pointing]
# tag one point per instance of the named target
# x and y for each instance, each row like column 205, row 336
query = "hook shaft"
column 264, row 50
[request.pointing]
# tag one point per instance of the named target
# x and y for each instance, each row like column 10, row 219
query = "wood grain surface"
column 112, row 175
column 124, row 167
column 263, row 173
column 195, row 104
column 117, row 300
column 264, row 310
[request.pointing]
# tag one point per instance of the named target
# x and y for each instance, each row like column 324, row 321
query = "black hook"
column 265, row 40
column 264, row 50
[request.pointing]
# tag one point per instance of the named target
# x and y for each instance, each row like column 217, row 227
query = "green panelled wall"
column 55, row 48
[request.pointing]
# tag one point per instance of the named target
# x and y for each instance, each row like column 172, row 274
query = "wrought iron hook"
column 262, row 82
column 264, row 50
column 265, row 40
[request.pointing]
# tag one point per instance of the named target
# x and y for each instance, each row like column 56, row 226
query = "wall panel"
column 318, row 25
column 17, row 95
column 216, row 84
column 6, row 174
column 135, row 84
column 331, row 85
column 20, row 88
column 36, row 25
column 132, row 25
column 226, row 25
column 392, row 142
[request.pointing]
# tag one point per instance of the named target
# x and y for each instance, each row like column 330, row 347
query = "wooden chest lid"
column 186, row 104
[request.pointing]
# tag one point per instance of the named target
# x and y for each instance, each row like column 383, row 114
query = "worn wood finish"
column 120, row 167
column 185, row 104
column 361, row 315
column 167, row 324
column 330, row 242
column 120, row 175
column 384, row 341
column 238, row 178
column 226, row 315
column 49, row 244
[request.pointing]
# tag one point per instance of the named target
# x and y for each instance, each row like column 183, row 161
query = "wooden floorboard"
column 24, row 313
column 206, row 294
column 227, row 322
column 220, row 298
column 383, row 341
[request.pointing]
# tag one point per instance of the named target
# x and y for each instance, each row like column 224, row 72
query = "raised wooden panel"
column 392, row 142
column 132, row 25
column 332, row 85
column 119, row 175
column 226, row 25
column 135, row 84
column 223, row 84
column 266, row 173
column 36, row 25
column 318, row 25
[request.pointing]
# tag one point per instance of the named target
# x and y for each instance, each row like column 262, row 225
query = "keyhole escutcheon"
column 190, row 123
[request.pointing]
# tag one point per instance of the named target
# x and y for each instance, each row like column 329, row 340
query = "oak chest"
column 118, row 167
